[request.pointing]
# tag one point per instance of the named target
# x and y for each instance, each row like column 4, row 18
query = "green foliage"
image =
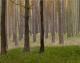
column 67, row 54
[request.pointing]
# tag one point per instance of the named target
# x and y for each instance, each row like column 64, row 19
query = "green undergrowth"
column 66, row 54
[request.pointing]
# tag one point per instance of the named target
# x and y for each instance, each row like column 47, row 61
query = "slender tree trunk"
column 26, row 43
column 15, row 37
column 21, row 22
column 79, row 19
column 3, row 28
column 69, row 20
column 53, row 23
column 42, row 28
column 61, row 39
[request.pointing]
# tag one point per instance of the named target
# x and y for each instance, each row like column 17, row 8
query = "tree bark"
column 53, row 23
column 61, row 39
column 26, row 43
column 42, row 28
column 3, row 28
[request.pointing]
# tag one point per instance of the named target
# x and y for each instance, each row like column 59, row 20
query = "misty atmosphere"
column 39, row 31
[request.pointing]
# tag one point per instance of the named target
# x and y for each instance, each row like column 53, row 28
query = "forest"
column 39, row 31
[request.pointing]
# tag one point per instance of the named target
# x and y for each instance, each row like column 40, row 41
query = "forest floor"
column 66, row 54
column 48, row 42
column 69, row 52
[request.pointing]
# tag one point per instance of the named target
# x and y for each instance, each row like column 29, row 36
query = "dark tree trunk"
column 42, row 28
column 3, row 28
column 26, row 43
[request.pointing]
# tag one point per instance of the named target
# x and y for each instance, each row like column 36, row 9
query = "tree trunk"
column 42, row 28
column 21, row 22
column 3, row 28
column 61, row 39
column 26, row 43
column 15, row 37
column 53, row 23
column 79, row 19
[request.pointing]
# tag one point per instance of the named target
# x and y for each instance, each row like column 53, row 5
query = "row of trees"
column 3, row 27
column 29, row 17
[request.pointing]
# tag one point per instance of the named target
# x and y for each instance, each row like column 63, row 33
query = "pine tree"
column 26, row 43
column 42, row 28
column 3, row 28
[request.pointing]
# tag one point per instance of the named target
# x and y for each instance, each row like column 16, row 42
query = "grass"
column 66, row 54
